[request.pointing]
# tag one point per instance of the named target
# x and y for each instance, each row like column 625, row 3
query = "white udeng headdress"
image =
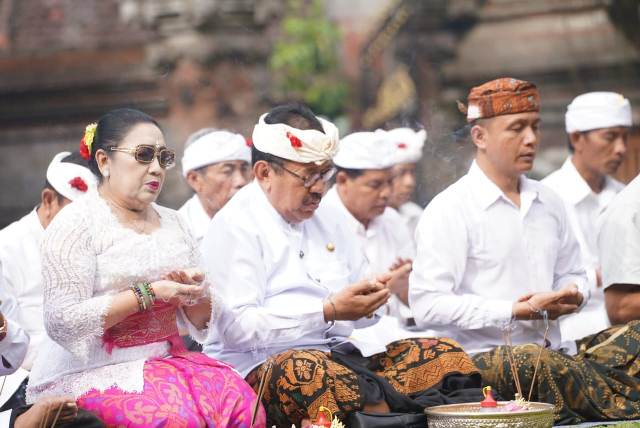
column 298, row 145
column 214, row 147
column 69, row 179
column 595, row 110
column 408, row 144
column 365, row 150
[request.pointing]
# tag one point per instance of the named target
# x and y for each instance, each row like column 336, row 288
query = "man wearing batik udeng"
column 496, row 249
column 293, row 280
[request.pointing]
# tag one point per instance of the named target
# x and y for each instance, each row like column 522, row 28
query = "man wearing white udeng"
column 216, row 164
column 597, row 125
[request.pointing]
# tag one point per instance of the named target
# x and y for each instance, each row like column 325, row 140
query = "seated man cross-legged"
column 293, row 282
column 495, row 250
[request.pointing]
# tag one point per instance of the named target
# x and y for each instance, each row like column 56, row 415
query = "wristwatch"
column 3, row 327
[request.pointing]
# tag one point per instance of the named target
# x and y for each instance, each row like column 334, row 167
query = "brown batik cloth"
column 600, row 383
column 501, row 96
column 300, row 381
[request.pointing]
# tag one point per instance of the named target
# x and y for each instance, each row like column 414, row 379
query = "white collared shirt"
column 195, row 216
column 583, row 208
column 384, row 240
column 619, row 238
column 22, row 277
column 13, row 348
column 411, row 213
column 272, row 277
column 478, row 253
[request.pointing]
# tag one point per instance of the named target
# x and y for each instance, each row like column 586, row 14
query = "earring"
column 106, row 173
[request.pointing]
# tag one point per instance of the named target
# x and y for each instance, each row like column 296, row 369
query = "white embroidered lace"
column 87, row 257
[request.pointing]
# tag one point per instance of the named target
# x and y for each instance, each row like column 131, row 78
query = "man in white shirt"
column 360, row 197
column 67, row 178
column 408, row 146
column 597, row 124
column 619, row 244
column 14, row 342
column 495, row 251
column 216, row 164
column 289, row 289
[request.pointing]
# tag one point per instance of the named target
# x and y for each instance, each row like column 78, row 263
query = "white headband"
column 298, row 145
column 215, row 147
column 408, row 144
column 365, row 150
column 69, row 179
column 596, row 110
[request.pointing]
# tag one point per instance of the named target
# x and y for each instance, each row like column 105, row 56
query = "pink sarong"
column 186, row 390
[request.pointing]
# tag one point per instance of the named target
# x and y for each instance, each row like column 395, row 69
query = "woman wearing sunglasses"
column 120, row 275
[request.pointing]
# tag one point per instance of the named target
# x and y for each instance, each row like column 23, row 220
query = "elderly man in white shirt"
column 216, row 164
column 597, row 124
column 496, row 252
column 289, row 281
column 360, row 197
column 408, row 146
column 67, row 178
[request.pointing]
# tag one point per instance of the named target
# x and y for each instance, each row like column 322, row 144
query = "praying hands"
column 557, row 303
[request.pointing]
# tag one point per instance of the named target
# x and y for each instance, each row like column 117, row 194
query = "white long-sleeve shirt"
column 411, row 213
column 619, row 238
column 13, row 349
column 583, row 208
column 384, row 241
column 478, row 253
column 195, row 216
column 20, row 256
column 273, row 277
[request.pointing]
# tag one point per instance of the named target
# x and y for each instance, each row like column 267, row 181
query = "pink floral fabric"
column 187, row 390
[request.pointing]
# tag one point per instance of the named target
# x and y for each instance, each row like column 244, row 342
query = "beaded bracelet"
column 138, row 293
column 147, row 294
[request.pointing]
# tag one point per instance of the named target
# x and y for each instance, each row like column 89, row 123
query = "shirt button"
column 301, row 254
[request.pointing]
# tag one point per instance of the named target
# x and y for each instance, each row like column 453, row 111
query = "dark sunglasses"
column 144, row 153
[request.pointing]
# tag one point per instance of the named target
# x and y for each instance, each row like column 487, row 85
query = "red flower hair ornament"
column 87, row 141
column 78, row 183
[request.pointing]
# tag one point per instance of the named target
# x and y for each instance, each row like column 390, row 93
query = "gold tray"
column 539, row 415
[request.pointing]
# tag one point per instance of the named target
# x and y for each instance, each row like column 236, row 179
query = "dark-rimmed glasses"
column 310, row 180
column 144, row 153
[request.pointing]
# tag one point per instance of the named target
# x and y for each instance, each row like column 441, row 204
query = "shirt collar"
column 577, row 186
column 34, row 222
column 487, row 192
column 261, row 198
column 333, row 198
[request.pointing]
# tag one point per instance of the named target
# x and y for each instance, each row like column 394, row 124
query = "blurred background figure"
column 598, row 125
column 216, row 164
column 408, row 152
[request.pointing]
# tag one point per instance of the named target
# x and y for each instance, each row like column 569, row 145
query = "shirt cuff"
column 500, row 312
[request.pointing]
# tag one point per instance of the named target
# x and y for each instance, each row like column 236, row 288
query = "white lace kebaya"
column 87, row 257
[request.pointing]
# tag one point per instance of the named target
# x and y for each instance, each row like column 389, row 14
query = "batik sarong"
column 411, row 375
column 601, row 382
